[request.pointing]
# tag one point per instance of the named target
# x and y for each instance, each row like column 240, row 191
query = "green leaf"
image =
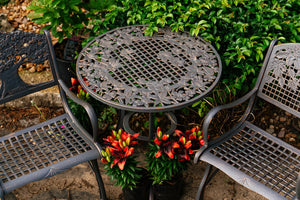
column 278, row 27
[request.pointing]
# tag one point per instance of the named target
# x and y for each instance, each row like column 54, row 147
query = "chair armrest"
column 215, row 110
column 89, row 109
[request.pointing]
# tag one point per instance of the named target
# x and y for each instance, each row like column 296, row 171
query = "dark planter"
column 169, row 190
column 65, row 53
column 65, row 70
column 141, row 192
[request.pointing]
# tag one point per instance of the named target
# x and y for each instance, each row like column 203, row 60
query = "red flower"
column 120, row 145
column 121, row 155
column 194, row 135
column 184, row 149
column 165, row 144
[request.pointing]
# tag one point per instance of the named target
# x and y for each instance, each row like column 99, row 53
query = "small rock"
column 270, row 130
column 282, row 119
column 292, row 140
column 281, row 133
column 32, row 69
column 288, row 114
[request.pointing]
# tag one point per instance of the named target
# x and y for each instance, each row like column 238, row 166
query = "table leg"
column 151, row 126
column 171, row 116
column 121, row 119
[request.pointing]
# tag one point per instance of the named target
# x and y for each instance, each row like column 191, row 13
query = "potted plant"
column 67, row 21
column 167, row 158
column 121, row 165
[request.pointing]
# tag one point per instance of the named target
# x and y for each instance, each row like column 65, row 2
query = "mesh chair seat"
column 50, row 147
column 253, row 157
column 42, row 149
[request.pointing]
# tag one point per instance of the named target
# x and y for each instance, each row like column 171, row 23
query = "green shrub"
column 240, row 30
column 64, row 18
column 4, row 2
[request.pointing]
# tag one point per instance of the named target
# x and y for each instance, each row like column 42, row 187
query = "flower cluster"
column 195, row 136
column 78, row 90
column 119, row 162
column 183, row 147
column 169, row 156
column 120, row 147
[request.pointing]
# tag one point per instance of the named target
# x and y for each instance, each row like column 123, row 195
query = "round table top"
column 125, row 69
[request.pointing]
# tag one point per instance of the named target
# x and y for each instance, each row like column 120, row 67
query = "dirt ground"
column 79, row 182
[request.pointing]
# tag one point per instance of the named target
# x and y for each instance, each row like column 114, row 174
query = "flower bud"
column 124, row 144
column 114, row 133
column 120, row 132
column 107, row 151
column 159, row 134
column 202, row 142
column 121, row 143
column 200, row 137
column 199, row 133
column 128, row 140
column 103, row 153
column 108, row 159
column 183, row 140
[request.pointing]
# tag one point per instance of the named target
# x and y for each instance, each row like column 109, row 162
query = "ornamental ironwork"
column 284, row 66
column 25, row 48
column 125, row 68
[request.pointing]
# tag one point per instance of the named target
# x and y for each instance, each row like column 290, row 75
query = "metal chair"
column 55, row 145
column 248, row 154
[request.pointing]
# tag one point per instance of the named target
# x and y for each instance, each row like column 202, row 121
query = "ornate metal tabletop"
column 128, row 70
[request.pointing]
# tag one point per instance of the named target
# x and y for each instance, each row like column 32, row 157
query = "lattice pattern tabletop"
column 128, row 70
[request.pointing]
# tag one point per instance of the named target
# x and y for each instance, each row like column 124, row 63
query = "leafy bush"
column 4, row 2
column 241, row 31
column 64, row 18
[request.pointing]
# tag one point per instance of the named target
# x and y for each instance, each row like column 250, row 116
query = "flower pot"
column 169, row 189
column 141, row 192
column 65, row 54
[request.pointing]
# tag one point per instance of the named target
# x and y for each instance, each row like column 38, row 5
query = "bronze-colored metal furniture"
column 248, row 154
column 125, row 69
column 48, row 148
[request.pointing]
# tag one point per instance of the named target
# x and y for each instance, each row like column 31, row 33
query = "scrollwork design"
column 284, row 67
column 141, row 71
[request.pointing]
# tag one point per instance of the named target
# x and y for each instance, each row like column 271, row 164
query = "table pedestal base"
column 126, row 117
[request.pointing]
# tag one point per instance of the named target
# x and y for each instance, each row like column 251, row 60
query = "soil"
column 79, row 182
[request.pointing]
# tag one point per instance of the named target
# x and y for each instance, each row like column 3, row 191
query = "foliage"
column 64, row 18
column 4, row 2
column 118, row 159
column 104, row 113
column 218, row 97
column 169, row 156
column 241, row 31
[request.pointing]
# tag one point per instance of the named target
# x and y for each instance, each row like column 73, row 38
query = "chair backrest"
column 280, row 84
column 21, row 48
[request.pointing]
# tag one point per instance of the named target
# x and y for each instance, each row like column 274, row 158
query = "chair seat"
column 40, row 151
column 253, row 157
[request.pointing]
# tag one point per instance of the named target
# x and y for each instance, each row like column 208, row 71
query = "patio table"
column 125, row 69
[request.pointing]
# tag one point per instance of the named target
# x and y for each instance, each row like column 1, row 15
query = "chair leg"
column 203, row 182
column 94, row 166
